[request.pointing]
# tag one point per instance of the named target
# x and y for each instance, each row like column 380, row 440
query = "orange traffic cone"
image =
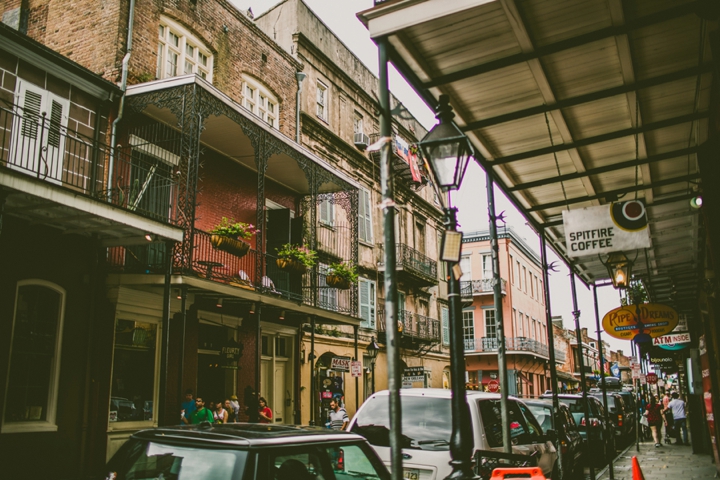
column 636, row 471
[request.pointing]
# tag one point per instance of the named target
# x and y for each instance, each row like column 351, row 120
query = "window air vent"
column 361, row 141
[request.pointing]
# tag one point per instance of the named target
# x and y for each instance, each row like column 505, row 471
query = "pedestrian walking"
column 232, row 413
column 338, row 416
column 677, row 407
column 654, row 418
column 200, row 415
column 264, row 411
column 188, row 405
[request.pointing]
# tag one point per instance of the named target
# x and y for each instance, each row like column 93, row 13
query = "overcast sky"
column 339, row 16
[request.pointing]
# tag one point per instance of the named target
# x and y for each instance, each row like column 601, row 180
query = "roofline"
column 54, row 63
column 507, row 232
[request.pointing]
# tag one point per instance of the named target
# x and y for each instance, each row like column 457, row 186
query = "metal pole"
column 163, row 410
column 578, row 336
column 610, row 454
column 497, row 295
column 638, row 401
column 357, row 379
column 313, row 393
column 551, row 345
column 390, row 286
column 461, row 440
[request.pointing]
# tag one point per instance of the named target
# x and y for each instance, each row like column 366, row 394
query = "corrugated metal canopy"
column 574, row 103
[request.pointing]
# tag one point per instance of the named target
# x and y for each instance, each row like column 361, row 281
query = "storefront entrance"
column 277, row 380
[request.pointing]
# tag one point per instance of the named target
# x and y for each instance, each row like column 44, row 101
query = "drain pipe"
column 300, row 77
column 123, row 87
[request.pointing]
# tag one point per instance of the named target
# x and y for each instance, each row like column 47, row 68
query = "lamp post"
column 372, row 352
column 448, row 151
column 619, row 268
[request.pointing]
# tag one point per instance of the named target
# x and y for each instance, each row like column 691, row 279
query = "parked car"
column 427, row 427
column 620, row 415
column 569, row 439
column 601, row 434
column 240, row 451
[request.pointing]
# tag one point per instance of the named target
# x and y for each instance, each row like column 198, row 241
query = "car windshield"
column 577, row 410
column 543, row 415
column 151, row 460
column 340, row 462
column 426, row 422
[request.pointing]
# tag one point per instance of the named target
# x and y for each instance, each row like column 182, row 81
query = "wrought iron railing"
column 560, row 355
column 413, row 325
column 415, row 262
column 483, row 286
column 512, row 344
column 208, row 262
column 40, row 145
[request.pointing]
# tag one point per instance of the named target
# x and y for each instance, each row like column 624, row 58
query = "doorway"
column 276, row 375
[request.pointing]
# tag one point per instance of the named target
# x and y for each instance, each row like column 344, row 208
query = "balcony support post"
column 497, row 296
column 163, row 413
column 610, row 450
column 581, row 361
column 312, row 371
column 551, row 340
column 3, row 197
column 390, row 285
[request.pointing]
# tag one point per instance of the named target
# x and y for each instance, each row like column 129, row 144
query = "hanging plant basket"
column 291, row 265
column 230, row 245
column 337, row 281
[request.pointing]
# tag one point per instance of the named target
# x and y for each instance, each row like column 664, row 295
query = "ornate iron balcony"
column 413, row 327
column 471, row 288
column 512, row 344
column 414, row 266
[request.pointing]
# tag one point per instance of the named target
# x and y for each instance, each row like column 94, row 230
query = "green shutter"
column 444, row 314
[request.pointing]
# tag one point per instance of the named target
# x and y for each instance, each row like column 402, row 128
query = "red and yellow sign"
column 625, row 322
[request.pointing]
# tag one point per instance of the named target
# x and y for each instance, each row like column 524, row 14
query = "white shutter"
column 367, row 303
column 445, row 319
column 327, row 212
column 365, row 217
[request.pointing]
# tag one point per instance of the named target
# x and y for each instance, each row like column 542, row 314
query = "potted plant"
column 341, row 275
column 295, row 258
column 228, row 236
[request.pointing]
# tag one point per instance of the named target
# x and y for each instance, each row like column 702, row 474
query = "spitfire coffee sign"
column 609, row 228
column 627, row 321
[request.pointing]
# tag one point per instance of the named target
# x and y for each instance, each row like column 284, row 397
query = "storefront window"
column 35, row 355
column 133, row 378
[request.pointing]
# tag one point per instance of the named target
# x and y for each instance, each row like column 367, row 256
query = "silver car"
column 427, row 426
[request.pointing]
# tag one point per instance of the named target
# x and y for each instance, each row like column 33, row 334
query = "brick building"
column 199, row 106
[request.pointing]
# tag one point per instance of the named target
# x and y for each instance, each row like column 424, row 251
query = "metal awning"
column 571, row 104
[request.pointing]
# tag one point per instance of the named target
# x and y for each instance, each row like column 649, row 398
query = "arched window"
column 258, row 99
column 33, row 374
column 181, row 53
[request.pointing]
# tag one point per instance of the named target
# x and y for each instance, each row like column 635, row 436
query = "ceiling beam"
column 655, row 18
column 590, row 97
column 602, row 138
column 619, row 191
column 604, row 169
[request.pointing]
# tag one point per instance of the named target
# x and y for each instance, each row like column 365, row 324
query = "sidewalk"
column 675, row 462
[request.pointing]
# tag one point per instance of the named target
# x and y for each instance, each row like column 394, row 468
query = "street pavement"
column 674, row 462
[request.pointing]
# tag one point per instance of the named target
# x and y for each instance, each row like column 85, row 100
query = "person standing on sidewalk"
column 677, row 407
column 654, row 418
column 338, row 416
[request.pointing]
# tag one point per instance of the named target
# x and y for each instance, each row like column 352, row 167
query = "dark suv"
column 621, row 416
column 245, row 452
column 601, row 433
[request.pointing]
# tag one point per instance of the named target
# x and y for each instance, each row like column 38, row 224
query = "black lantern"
column 372, row 351
column 619, row 268
column 446, row 148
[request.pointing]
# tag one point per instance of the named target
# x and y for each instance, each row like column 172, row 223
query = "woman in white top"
column 220, row 414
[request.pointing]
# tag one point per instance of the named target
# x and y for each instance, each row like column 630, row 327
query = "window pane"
column 172, row 64
column 161, row 31
column 133, row 377
column 188, row 68
column 203, row 59
column 190, row 51
column 174, row 39
column 34, row 346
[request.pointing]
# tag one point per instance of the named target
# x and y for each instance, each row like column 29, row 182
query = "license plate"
column 411, row 474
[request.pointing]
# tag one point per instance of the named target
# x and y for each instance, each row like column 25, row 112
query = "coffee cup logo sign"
column 653, row 319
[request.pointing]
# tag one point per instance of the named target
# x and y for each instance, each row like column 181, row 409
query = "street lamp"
column 372, row 352
column 448, row 151
column 619, row 268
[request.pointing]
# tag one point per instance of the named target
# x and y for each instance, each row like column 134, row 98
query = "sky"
column 340, row 17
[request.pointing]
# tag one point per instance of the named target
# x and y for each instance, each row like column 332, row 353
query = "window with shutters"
column 367, row 303
column 321, row 99
column 37, row 146
column 326, row 210
column 445, row 319
column 181, row 53
column 365, row 230
column 32, row 382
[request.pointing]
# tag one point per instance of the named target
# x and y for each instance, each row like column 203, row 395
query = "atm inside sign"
column 672, row 339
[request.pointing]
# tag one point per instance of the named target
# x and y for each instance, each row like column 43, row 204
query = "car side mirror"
column 551, row 435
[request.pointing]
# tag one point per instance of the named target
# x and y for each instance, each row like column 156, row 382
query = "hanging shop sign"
column 414, row 374
column 617, row 227
column 615, row 370
column 651, row 378
column 340, row 364
column 671, row 339
column 654, row 319
column 230, row 353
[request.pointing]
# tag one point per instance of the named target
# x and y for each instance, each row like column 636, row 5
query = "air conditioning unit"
column 361, row 141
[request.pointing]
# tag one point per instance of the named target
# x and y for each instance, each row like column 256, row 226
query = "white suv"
column 427, row 426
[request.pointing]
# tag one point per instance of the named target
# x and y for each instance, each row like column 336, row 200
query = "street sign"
column 672, row 339
column 651, row 378
column 660, row 382
column 643, row 379
column 356, row 369
column 341, row 364
column 493, row 386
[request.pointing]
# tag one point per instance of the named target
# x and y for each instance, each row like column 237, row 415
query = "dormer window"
column 181, row 53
